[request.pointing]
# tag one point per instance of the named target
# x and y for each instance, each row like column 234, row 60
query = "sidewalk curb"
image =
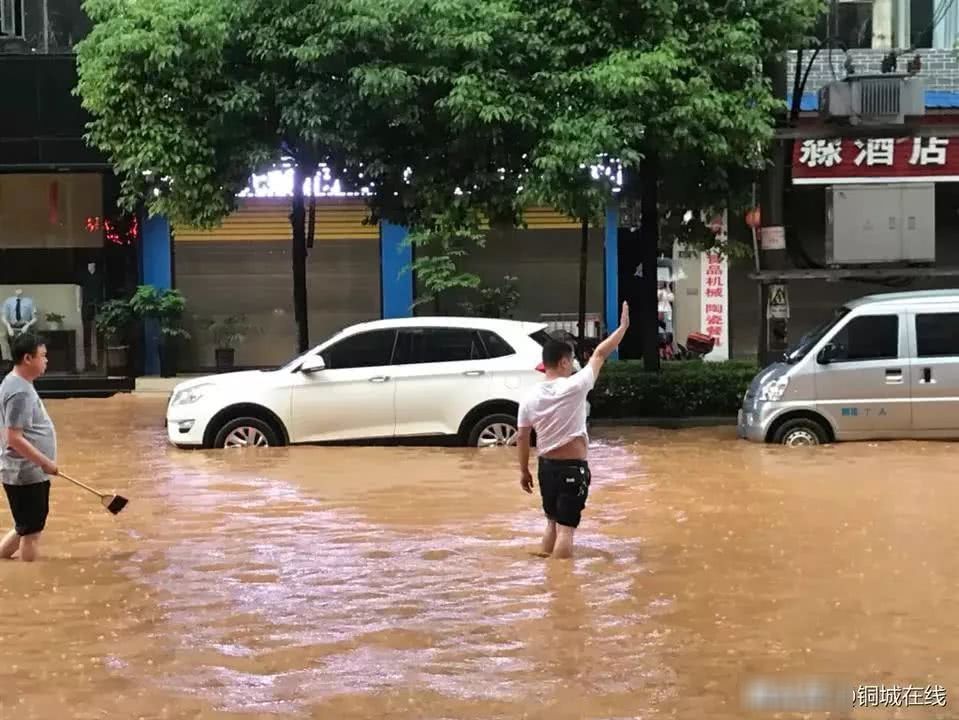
column 665, row 423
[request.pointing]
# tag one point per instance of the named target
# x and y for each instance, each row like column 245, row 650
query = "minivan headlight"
column 190, row 395
column 773, row 390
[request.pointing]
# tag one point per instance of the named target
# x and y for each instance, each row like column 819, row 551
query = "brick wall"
column 939, row 67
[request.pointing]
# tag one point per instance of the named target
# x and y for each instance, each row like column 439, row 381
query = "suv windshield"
column 808, row 341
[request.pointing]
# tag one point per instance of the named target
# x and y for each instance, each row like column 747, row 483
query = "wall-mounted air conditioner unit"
column 873, row 99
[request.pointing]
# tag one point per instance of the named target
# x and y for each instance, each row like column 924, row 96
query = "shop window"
column 11, row 18
column 51, row 211
column 853, row 24
column 60, row 259
column 922, row 23
column 850, row 25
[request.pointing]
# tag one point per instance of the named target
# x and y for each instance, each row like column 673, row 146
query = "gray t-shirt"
column 21, row 407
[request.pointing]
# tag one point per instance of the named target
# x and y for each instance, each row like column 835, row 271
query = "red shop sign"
column 876, row 160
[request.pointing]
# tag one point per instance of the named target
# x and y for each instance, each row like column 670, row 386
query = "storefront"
column 692, row 296
column 63, row 252
column 237, row 280
column 864, row 215
column 64, row 246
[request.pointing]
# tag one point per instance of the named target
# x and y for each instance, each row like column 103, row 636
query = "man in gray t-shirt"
column 28, row 451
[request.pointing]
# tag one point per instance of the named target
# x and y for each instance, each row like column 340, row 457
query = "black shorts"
column 564, row 485
column 30, row 505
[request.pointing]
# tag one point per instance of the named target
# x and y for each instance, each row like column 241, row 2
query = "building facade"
column 357, row 271
column 867, row 214
column 64, row 246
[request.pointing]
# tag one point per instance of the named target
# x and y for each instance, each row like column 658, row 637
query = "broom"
column 113, row 503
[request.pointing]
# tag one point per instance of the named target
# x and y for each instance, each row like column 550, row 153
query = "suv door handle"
column 474, row 373
column 894, row 376
column 379, row 379
column 927, row 377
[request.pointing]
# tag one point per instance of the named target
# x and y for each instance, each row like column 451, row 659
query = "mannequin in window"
column 19, row 315
column 665, row 298
column 91, row 282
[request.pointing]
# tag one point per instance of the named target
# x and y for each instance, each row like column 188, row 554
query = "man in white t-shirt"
column 556, row 410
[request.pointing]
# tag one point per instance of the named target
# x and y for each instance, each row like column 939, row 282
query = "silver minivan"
column 883, row 367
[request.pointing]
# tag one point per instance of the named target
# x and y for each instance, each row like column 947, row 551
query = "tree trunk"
column 583, row 266
column 648, row 311
column 298, row 221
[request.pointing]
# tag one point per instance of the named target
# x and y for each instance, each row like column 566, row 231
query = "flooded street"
column 401, row 582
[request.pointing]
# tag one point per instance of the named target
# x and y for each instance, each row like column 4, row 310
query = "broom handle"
column 77, row 482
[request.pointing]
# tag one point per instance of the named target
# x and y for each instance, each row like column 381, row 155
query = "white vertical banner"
column 714, row 297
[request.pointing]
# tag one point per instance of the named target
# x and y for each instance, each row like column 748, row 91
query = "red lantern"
column 753, row 218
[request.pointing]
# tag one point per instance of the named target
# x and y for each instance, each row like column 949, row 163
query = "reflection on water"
column 385, row 582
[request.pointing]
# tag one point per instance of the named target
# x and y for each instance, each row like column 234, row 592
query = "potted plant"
column 165, row 307
column 113, row 321
column 54, row 321
column 227, row 333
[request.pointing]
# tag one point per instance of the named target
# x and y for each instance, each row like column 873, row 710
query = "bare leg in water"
column 30, row 547
column 564, row 543
column 549, row 537
column 9, row 545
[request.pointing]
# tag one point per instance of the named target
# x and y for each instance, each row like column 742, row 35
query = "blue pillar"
column 611, row 268
column 396, row 279
column 156, row 268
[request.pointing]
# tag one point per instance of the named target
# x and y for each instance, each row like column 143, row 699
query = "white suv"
column 413, row 377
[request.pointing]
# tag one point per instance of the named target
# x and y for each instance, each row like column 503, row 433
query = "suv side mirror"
column 827, row 354
column 313, row 364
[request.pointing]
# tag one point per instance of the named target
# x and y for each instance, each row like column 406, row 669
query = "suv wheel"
column 246, row 432
column 801, row 432
column 497, row 430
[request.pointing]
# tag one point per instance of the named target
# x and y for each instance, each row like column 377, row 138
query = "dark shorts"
column 30, row 505
column 564, row 485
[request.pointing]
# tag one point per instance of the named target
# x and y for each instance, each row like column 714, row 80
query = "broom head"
column 114, row 503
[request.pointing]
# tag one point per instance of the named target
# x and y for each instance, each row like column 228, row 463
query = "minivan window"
column 437, row 345
column 368, row 349
column 808, row 341
column 937, row 335
column 870, row 337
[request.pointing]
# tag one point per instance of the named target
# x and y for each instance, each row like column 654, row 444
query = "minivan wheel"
column 801, row 432
column 499, row 430
column 246, row 432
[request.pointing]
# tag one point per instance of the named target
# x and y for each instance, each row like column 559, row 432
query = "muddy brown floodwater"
column 400, row 583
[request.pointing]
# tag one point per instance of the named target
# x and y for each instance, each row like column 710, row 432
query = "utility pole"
column 772, row 235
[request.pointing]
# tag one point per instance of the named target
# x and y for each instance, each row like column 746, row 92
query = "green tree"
column 451, row 112
column 675, row 92
column 188, row 97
